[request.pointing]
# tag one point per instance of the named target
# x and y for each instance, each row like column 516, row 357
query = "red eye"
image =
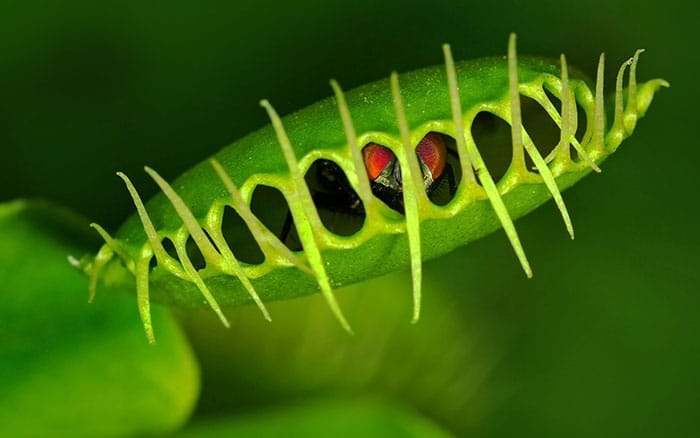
column 433, row 152
column 376, row 157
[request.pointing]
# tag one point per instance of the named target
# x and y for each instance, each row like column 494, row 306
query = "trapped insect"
column 396, row 159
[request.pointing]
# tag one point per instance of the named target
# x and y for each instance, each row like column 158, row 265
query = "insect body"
column 333, row 191
column 383, row 155
column 384, row 170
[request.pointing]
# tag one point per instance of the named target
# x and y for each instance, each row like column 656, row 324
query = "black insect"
column 333, row 195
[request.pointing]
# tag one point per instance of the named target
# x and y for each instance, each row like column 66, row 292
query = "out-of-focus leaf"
column 354, row 418
column 446, row 367
column 69, row 368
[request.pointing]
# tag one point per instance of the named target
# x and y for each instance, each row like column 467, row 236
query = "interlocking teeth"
column 413, row 196
column 305, row 217
column 598, row 138
column 475, row 177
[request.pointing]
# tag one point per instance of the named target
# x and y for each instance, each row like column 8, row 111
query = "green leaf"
column 68, row 367
column 180, row 232
column 351, row 418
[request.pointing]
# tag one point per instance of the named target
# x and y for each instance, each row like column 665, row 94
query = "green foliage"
column 603, row 339
column 378, row 116
column 338, row 418
column 68, row 368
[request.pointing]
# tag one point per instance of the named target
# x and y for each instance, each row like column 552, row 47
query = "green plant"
column 606, row 326
column 376, row 113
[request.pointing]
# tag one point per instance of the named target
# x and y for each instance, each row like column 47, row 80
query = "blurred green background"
column 602, row 342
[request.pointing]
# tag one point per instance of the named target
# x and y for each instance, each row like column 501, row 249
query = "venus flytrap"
column 394, row 116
